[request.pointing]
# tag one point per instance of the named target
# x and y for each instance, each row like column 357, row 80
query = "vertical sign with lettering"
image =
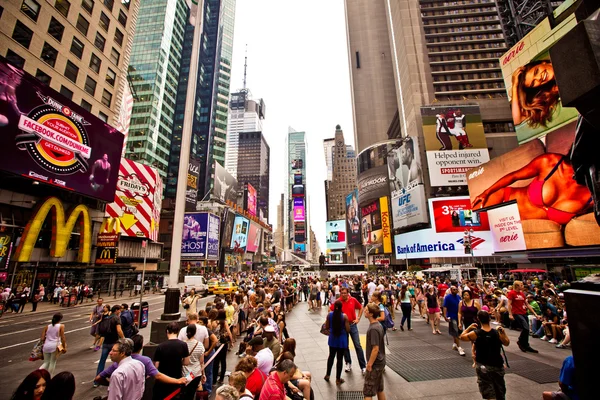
column 507, row 231
column 191, row 192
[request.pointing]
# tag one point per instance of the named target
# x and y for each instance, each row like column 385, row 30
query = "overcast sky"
column 298, row 63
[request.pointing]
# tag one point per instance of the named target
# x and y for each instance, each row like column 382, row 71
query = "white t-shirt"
column 380, row 288
column 372, row 287
column 264, row 359
column 319, row 286
column 201, row 333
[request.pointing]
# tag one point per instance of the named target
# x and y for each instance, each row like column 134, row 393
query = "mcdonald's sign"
column 106, row 255
column 61, row 230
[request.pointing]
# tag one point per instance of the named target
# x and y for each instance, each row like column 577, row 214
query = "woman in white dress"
column 55, row 343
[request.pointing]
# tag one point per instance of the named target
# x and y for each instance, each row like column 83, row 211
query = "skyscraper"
column 154, row 72
column 245, row 115
column 253, row 162
column 343, row 176
column 296, row 220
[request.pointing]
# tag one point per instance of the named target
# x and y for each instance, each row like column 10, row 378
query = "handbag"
column 37, row 352
column 324, row 330
column 186, row 306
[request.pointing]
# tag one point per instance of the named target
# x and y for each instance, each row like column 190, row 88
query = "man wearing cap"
column 271, row 342
column 264, row 355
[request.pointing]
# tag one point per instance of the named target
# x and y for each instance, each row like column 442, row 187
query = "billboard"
column 335, row 234
column 299, row 210
column 133, row 211
column 5, row 249
column 373, row 184
column 227, row 228
column 298, row 191
column 386, row 227
column 239, row 235
column 371, row 224
column 352, row 218
column 408, row 200
column 250, row 203
column 212, row 237
column 454, row 214
column 225, row 185
column 529, row 78
column 191, row 190
column 195, row 228
column 299, row 248
column 299, row 233
column 297, row 179
column 48, row 138
column 297, row 164
column 253, row 238
column 107, row 248
column 455, row 142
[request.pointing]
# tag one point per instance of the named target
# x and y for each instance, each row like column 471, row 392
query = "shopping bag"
column 37, row 352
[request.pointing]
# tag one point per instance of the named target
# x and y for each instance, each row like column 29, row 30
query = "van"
column 196, row 282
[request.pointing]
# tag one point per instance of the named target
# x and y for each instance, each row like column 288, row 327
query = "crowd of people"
column 252, row 322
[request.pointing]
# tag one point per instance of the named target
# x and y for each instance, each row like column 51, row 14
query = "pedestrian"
column 517, row 312
column 190, row 303
column 35, row 300
column 33, row 386
column 201, row 334
column 22, row 301
column 467, row 312
column 566, row 382
column 110, row 329
column 433, row 310
column 227, row 392
column 196, row 350
column 170, row 357
column 221, row 330
column 255, row 378
column 406, row 307
column 128, row 323
column 121, row 288
column 338, row 325
column 127, row 381
column 55, row 343
column 61, row 387
column 264, row 355
column 349, row 307
column 376, row 352
column 451, row 306
column 274, row 387
column 489, row 364
column 238, row 380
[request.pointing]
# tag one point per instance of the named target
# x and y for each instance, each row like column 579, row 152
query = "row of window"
column 458, row 11
column 498, row 127
column 432, row 30
column 474, row 96
column 457, row 77
column 464, row 67
column 453, row 3
column 482, row 18
column 469, row 86
column 470, row 56
column 475, row 46
column 462, row 38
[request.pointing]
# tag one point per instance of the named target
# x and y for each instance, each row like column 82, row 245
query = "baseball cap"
column 269, row 328
column 255, row 340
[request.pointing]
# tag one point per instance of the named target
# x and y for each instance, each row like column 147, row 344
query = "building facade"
column 245, row 115
column 253, row 167
column 296, row 215
column 80, row 49
column 343, row 176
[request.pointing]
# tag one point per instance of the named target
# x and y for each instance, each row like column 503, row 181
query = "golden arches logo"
column 61, row 231
column 110, row 225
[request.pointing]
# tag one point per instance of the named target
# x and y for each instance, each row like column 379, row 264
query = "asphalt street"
column 19, row 333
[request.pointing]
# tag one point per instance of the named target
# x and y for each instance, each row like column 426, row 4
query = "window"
column 82, row 25
column 86, row 106
column 109, row 4
column 104, row 21
column 122, row 18
column 102, row 116
column 90, row 86
column 95, row 63
column 49, row 54
column 77, row 47
column 119, row 37
column 126, row 3
column 106, row 98
column 71, row 71
column 62, row 6
column 99, row 42
column 114, row 56
column 43, row 77
column 66, row 92
column 22, row 34
column 87, row 5
column 31, row 8
column 111, row 77
column 15, row 59
column 56, row 29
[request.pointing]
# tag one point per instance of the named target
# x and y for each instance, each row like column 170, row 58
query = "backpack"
column 386, row 298
column 388, row 322
column 105, row 326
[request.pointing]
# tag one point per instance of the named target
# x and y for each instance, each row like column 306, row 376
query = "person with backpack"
column 388, row 302
column 489, row 364
column 128, row 322
column 110, row 329
column 349, row 307
column 338, row 325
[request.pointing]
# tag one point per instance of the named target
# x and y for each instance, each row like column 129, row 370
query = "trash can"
column 65, row 301
column 72, row 300
column 136, row 313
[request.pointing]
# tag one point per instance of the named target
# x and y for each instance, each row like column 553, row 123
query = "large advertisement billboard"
column 299, row 210
column 191, row 190
column 446, row 236
column 251, row 200
column 299, row 248
column 195, row 228
column 352, row 218
column 373, row 184
column 212, row 237
column 253, row 238
column 386, row 226
column 406, row 184
column 335, row 234
column 455, row 142
column 226, row 186
column 48, row 138
column 532, row 89
column 135, row 201
column 239, row 236
column 227, row 228
column 371, row 224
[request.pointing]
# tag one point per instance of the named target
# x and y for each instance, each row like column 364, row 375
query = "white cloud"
column 298, row 63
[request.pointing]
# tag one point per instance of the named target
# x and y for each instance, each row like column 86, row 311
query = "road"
column 18, row 334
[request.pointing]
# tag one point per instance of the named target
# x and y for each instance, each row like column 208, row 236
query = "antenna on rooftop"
column 245, row 65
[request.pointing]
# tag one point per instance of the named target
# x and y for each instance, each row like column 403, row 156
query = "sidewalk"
column 418, row 356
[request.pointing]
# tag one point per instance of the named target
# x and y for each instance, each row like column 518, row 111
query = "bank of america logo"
column 475, row 241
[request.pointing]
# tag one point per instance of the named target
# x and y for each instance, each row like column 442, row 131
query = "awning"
column 527, row 270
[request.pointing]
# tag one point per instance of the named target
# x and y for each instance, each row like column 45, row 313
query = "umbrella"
column 527, row 270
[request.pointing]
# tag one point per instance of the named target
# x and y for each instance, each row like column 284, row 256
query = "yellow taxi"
column 225, row 288
column 211, row 284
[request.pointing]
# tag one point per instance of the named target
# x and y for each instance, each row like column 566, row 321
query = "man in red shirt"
column 349, row 307
column 517, row 311
column 274, row 388
column 442, row 287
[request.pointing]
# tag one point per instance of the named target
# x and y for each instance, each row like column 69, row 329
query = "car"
column 225, row 288
column 211, row 284
column 196, row 282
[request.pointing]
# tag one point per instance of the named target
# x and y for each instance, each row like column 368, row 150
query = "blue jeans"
column 106, row 348
column 522, row 322
column 359, row 350
column 208, row 371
